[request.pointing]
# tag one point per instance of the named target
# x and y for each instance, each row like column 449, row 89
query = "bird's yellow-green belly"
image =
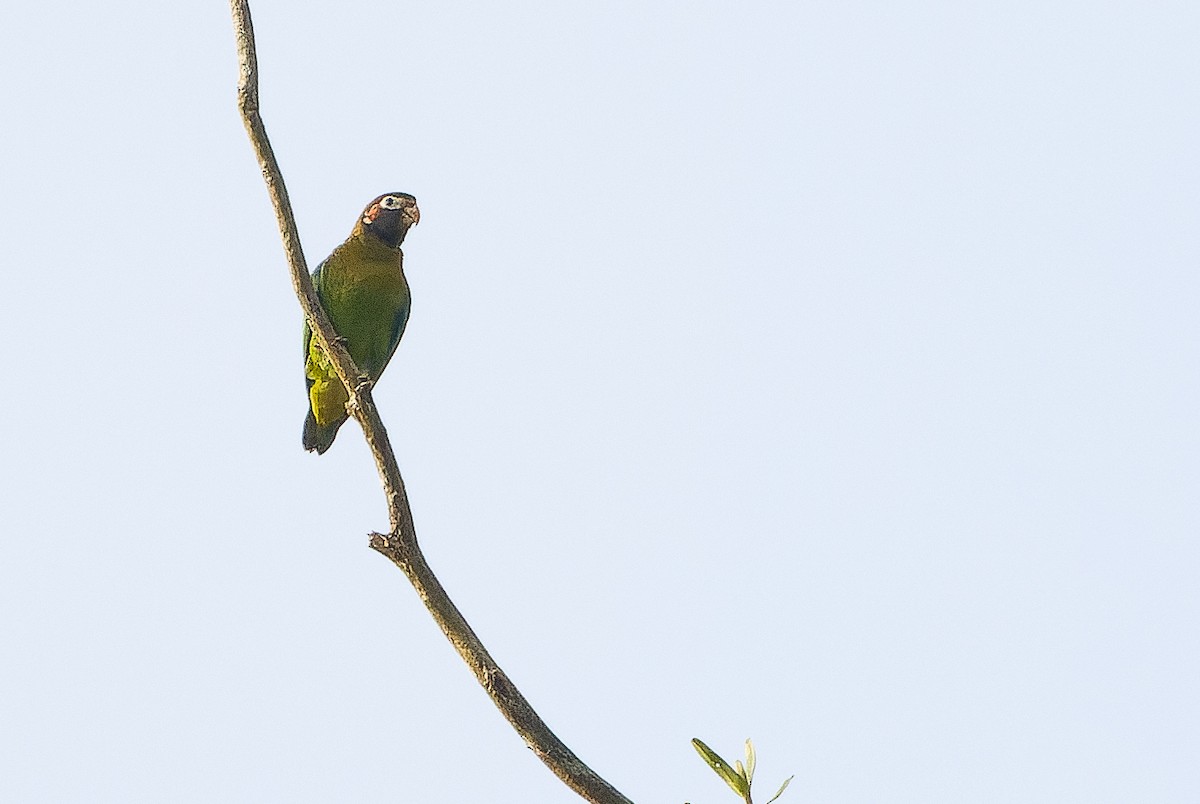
column 368, row 307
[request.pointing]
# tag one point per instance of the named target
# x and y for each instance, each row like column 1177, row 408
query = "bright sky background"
column 825, row 373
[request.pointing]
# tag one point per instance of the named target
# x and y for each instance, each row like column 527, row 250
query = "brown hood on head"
column 388, row 218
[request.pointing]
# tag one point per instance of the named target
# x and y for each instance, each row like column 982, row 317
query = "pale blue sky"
column 824, row 373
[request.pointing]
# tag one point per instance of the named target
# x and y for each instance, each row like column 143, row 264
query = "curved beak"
column 412, row 215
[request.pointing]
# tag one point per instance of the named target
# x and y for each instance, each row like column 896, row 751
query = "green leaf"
column 731, row 777
column 749, row 760
column 782, row 787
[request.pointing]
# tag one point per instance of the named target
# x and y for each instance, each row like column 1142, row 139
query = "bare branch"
column 400, row 544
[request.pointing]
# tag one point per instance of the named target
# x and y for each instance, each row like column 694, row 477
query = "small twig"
column 400, row 544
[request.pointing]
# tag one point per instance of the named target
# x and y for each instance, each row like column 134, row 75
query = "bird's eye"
column 389, row 202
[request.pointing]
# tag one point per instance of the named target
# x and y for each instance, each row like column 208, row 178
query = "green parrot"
column 362, row 287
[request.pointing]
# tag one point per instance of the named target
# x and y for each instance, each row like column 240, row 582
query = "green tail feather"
column 319, row 438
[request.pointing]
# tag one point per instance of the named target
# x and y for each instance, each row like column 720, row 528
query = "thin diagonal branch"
column 400, row 544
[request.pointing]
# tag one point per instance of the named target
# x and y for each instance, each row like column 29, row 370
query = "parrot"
column 362, row 288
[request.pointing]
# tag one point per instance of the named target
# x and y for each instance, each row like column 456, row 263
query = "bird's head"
column 388, row 218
